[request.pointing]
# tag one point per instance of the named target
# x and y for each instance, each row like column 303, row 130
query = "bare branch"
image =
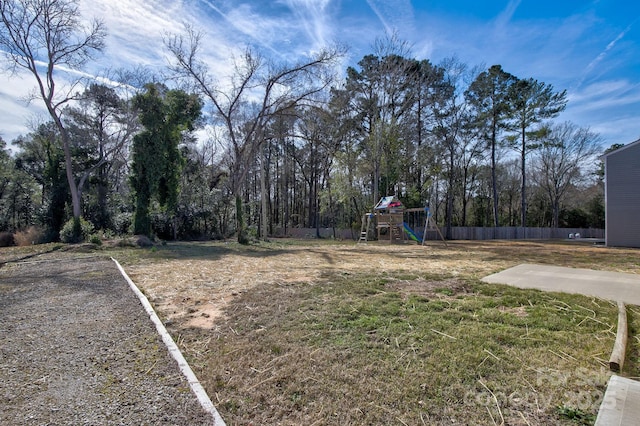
column 255, row 93
column 41, row 36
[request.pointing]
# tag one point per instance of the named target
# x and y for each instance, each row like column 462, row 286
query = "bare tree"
column 42, row 36
column 255, row 94
column 561, row 162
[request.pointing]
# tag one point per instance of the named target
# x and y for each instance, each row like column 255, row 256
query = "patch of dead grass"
column 519, row 311
column 439, row 289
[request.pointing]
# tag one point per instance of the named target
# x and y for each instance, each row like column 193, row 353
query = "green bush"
column 95, row 239
column 76, row 231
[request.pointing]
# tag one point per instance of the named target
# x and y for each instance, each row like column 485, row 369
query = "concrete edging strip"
column 195, row 385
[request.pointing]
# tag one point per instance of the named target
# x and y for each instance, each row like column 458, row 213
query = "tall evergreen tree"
column 431, row 91
column 42, row 157
column 382, row 97
column 489, row 97
column 533, row 102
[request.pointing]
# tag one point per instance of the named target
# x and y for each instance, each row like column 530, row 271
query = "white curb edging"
column 195, row 385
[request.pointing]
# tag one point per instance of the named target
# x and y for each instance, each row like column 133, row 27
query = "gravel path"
column 77, row 348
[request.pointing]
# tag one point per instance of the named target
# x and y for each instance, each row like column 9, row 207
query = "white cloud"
column 598, row 89
column 601, row 56
column 16, row 111
column 395, row 15
column 276, row 34
column 314, row 16
column 607, row 107
column 618, row 129
column 505, row 16
column 134, row 28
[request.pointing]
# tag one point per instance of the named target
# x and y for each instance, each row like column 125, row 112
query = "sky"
column 590, row 48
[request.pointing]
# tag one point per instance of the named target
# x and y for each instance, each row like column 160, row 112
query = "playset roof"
column 390, row 202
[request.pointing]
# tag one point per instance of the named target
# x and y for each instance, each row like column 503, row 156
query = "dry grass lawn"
column 312, row 332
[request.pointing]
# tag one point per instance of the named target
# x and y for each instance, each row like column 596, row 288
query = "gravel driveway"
column 77, row 348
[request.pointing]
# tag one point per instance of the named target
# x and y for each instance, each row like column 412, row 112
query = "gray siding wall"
column 622, row 191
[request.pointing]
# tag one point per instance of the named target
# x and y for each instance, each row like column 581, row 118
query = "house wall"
column 622, row 197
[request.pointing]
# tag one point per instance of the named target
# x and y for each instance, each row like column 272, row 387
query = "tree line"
column 275, row 146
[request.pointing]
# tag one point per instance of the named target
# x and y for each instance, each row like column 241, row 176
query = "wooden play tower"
column 388, row 218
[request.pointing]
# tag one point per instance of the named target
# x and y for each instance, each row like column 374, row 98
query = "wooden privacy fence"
column 462, row 233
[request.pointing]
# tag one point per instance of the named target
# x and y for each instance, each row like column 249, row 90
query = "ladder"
column 364, row 228
column 396, row 233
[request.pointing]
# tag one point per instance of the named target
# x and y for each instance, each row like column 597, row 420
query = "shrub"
column 106, row 234
column 135, row 241
column 6, row 239
column 32, row 235
column 76, row 231
column 125, row 242
column 95, row 239
column 122, row 222
column 143, row 241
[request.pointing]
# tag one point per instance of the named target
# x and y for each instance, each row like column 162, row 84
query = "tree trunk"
column 523, row 213
column 316, row 207
column 68, row 163
column 103, row 193
column 376, row 182
column 142, row 223
column 494, row 184
column 263, row 194
column 465, row 199
column 555, row 211
column 450, row 196
column 310, row 179
column 285, row 196
column 242, row 232
column 174, row 225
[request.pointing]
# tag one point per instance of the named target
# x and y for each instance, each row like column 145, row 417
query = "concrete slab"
column 614, row 286
column 621, row 403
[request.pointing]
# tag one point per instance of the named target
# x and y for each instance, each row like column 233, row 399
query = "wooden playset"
column 388, row 217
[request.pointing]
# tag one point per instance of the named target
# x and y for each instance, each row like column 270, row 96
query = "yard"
column 319, row 332
column 315, row 332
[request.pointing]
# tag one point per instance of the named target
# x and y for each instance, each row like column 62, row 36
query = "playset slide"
column 411, row 234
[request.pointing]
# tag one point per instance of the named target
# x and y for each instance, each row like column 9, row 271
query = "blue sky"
column 589, row 48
